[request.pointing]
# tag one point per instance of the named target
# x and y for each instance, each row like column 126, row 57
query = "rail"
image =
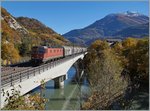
column 13, row 78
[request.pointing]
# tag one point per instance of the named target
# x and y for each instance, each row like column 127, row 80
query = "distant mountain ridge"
column 111, row 26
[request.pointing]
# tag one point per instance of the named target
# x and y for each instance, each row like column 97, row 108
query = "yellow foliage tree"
column 134, row 54
column 99, row 45
column 118, row 47
column 138, row 60
column 104, row 74
column 8, row 52
column 129, row 42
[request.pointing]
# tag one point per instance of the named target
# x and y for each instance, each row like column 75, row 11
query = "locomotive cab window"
column 41, row 50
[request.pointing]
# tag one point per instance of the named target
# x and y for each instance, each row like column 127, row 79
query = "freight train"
column 43, row 54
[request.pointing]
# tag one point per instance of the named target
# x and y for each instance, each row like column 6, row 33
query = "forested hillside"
column 20, row 34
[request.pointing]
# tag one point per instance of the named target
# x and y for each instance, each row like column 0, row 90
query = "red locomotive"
column 41, row 54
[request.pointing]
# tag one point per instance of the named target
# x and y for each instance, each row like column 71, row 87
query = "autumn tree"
column 104, row 72
column 129, row 42
column 95, row 50
column 9, row 52
column 99, row 45
column 134, row 55
column 25, row 46
column 138, row 61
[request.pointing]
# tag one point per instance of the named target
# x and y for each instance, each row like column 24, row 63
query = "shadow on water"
column 63, row 99
column 49, row 87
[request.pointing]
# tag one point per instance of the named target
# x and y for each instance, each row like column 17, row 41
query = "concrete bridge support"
column 79, row 71
column 59, row 81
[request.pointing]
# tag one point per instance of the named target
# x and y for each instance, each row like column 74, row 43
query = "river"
column 69, row 98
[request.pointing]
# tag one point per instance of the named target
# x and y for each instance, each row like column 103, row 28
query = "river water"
column 69, row 98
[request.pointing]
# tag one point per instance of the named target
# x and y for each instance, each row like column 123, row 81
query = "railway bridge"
column 31, row 78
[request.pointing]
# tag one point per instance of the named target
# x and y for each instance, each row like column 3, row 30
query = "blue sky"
column 65, row 16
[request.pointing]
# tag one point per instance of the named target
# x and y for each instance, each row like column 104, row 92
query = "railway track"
column 12, row 70
column 15, row 68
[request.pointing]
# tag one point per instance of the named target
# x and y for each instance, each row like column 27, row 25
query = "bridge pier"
column 79, row 71
column 59, row 81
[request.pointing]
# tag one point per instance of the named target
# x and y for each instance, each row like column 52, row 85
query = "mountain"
column 38, row 29
column 22, row 33
column 134, row 31
column 21, row 27
column 12, row 31
column 107, row 27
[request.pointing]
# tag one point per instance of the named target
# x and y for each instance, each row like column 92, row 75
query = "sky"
column 65, row 16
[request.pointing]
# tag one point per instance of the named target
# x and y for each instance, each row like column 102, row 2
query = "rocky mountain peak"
column 132, row 13
column 11, row 21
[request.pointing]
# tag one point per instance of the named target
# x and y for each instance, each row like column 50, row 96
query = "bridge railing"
column 17, row 77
